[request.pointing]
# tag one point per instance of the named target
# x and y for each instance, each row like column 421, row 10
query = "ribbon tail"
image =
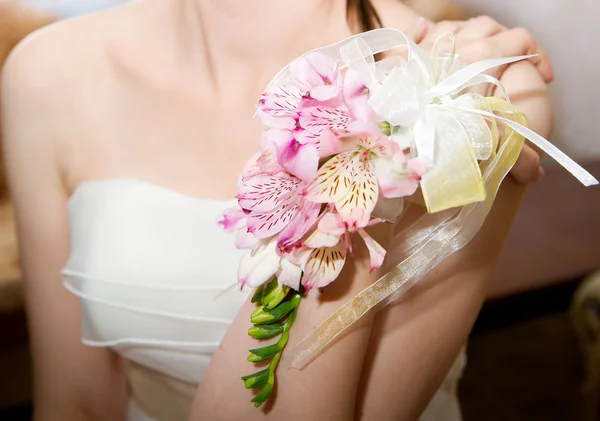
column 559, row 156
column 458, row 79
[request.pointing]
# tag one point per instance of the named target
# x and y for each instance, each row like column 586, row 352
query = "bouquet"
column 348, row 139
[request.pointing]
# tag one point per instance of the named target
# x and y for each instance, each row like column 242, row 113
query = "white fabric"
column 154, row 273
column 70, row 8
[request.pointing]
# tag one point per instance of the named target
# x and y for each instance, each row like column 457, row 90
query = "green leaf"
column 269, row 289
column 263, row 395
column 257, row 296
column 265, row 331
column 276, row 297
column 261, row 354
column 257, row 379
column 284, row 308
column 261, row 317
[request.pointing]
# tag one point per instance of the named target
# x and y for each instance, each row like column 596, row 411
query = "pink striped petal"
column 263, row 193
column 302, row 222
column 317, row 119
column 280, row 101
column 376, row 252
column 323, row 266
column 265, row 225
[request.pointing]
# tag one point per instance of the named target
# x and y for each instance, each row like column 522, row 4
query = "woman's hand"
column 483, row 38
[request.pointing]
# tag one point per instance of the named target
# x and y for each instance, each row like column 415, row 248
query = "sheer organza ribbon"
column 467, row 168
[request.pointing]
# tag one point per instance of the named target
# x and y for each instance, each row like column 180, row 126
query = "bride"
column 125, row 132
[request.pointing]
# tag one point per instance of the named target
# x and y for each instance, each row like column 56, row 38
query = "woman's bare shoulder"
column 53, row 61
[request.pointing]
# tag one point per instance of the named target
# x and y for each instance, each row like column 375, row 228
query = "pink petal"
column 323, row 266
column 245, row 240
column 315, row 69
column 264, row 193
column 289, row 274
column 231, row 219
column 375, row 250
column 329, row 144
column 332, row 223
column 395, row 179
column 418, row 166
column 356, row 96
column 280, row 101
column 317, row 119
column 282, row 122
column 265, row 225
column 324, row 92
column 258, row 267
column 297, row 159
column 301, row 223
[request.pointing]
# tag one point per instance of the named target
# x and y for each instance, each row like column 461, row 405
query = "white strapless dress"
column 155, row 276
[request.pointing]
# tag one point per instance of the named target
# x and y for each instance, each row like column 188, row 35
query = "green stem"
column 267, row 352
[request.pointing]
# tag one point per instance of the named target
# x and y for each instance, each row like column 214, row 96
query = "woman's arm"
column 415, row 341
column 72, row 382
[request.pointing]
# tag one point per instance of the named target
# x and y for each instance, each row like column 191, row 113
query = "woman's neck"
column 242, row 43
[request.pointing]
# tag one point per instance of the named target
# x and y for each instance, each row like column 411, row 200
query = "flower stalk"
column 275, row 315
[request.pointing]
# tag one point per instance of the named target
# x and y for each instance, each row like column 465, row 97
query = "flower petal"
column 332, row 223
column 264, row 193
column 258, row 267
column 356, row 206
column 265, row 225
column 302, row 222
column 375, row 250
column 280, row 101
column 245, row 240
column 320, row 238
column 289, row 274
column 231, row 219
column 397, row 179
column 333, row 179
column 317, row 119
column 323, row 266
column 301, row 160
column 329, row 144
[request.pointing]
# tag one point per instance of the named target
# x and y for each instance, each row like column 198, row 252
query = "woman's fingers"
column 418, row 30
column 480, row 27
column 527, row 168
column 519, row 41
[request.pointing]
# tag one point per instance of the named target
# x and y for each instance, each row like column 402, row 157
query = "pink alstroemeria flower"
column 353, row 180
column 323, row 254
column 310, row 116
column 275, row 202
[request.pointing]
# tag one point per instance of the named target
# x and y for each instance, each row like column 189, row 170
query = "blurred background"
column 535, row 351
